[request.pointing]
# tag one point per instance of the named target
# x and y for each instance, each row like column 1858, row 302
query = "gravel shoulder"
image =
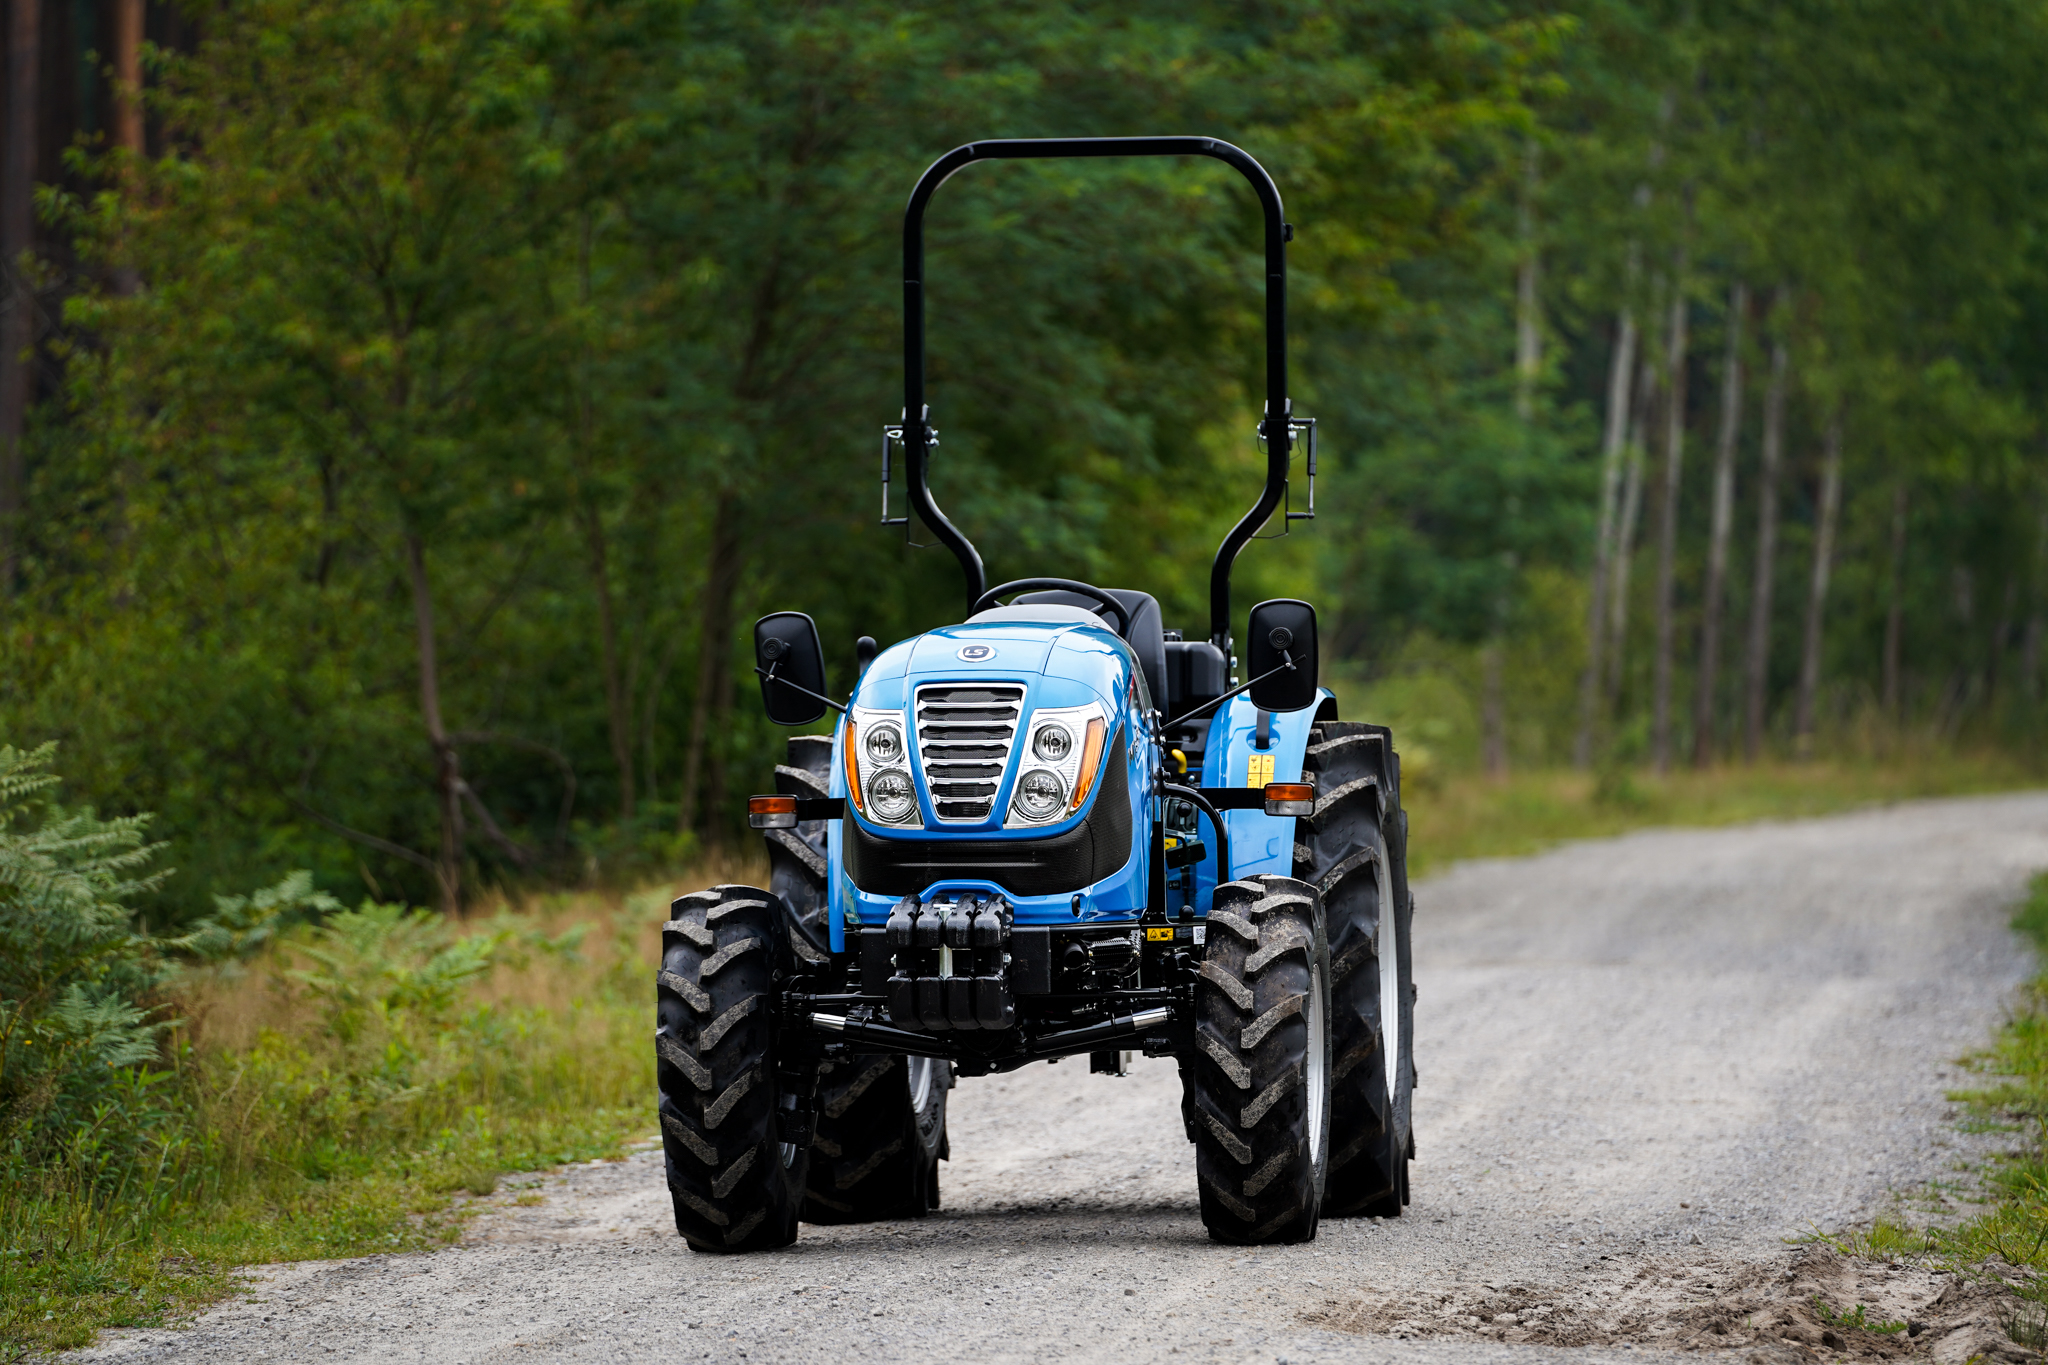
column 1645, row 1063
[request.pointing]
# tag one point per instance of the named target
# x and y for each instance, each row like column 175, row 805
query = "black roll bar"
column 917, row 433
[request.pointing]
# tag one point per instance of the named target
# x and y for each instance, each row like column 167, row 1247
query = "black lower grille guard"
column 1135, row 1025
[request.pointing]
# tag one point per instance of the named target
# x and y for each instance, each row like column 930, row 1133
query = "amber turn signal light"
column 771, row 812
column 1290, row 798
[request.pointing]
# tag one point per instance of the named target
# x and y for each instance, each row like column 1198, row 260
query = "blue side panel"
column 1258, row 842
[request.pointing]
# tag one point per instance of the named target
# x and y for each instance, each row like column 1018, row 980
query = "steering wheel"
column 988, row 599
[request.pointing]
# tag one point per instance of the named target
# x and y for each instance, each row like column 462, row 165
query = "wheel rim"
column 1318, row 1065
column 922, row 1070
column 1390, row 1002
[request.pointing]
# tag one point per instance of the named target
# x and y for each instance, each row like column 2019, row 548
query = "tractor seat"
column 1146, row 637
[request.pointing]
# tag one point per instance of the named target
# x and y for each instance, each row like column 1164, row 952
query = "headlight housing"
column 1041, row 794
column 891, row 796
column 1052, row 742
column 883, row 744
column 1059, row 754
column 878, row 767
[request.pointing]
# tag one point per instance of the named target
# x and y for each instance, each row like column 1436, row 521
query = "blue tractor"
column 1055, row 829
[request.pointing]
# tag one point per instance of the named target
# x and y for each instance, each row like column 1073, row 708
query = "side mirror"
column 792, row 667
column 1283, row 632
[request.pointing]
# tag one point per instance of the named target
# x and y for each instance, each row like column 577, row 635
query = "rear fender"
column 1259, row 843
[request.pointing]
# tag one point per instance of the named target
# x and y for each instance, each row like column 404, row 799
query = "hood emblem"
column 975, row 654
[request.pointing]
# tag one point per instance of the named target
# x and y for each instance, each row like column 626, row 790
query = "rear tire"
column 1353, row 850
column 881, row 1135
column 881, row 1125
column 1259, row 1083
column 798, row 859
column 725, row 1101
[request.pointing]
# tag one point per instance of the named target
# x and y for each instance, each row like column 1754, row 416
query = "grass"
column 339, row 1096
column 1457, row 816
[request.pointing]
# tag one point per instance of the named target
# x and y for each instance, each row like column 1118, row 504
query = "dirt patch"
column 1812, row 1304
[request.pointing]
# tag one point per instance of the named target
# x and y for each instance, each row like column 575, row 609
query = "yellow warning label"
column 1258, row 770
column 1159, row 935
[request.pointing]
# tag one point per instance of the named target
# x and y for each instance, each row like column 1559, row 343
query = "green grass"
column 1467, row 815
column 337, row 1098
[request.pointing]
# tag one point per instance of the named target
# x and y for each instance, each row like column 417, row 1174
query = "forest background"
column 406, row 405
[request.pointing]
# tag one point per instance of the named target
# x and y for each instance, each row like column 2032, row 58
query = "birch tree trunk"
column 17, row 303
column 1895, row 610
column 1667, row 522
column 1706, row 690
column 447, row 764
column 1613, row 440
column 1817, row 588
column 1757, row 663
column 1631, row 522
column 1493, row 722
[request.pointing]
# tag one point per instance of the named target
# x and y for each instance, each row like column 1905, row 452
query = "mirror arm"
column 769, row 674
column 1286, row 666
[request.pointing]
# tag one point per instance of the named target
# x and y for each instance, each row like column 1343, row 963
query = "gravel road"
column 1645, row 1063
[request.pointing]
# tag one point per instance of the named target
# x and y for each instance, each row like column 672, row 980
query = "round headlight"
column 1052, row 743
column 884, row 744
column 891, row 796
column 1040, row 794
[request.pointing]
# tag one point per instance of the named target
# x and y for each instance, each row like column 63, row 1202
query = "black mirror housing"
column 1283, row 631
column 792, row 667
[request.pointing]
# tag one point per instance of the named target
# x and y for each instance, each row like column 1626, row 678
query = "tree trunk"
column 1707, row 689
column 1895, row 610
column 1493, row 722
column 447, row 765
column 1994, row 657
column 17, row 302
column 1619, row 370
column 1817, row 588
column 1757, row 666
column 2030, row 645
column 617, row 694
column 1631, row 520
column 714, row 653
column 1667, row 522
column 1528, row 320
column 128, row 127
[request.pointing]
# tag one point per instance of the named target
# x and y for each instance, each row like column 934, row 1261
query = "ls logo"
column 976, row 654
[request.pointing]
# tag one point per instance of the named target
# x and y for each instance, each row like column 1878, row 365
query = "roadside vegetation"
column 286, row 1079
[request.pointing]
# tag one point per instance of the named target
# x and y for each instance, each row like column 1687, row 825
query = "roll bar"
column 1276, row 425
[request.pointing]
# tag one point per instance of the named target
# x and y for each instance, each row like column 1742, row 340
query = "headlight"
column 891, row 796
column 1052, row 743
column 883, row 744
column 1040, row 794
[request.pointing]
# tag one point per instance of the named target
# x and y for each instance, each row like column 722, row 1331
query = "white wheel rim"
column 921, row 1072
column 1318, row 1064
column 1390, row 1001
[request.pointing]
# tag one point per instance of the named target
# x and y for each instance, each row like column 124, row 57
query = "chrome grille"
column 963, row 741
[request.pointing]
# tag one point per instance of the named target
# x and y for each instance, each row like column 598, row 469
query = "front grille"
column 963, row 740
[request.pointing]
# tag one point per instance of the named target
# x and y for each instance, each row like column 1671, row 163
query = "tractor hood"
column 1060, row 663
column 965, row 713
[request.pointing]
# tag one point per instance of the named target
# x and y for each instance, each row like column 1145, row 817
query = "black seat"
column 1146, row 637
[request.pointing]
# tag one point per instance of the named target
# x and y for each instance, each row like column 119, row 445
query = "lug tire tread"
column 716, row 1069
column 1354, row 851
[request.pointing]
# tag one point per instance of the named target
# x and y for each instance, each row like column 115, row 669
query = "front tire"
column 1259, row 1084
column 1353, row 849
column 728, row 1099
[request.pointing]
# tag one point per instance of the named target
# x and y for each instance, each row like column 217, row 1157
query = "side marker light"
column 771, row 812
column 1290, row 798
